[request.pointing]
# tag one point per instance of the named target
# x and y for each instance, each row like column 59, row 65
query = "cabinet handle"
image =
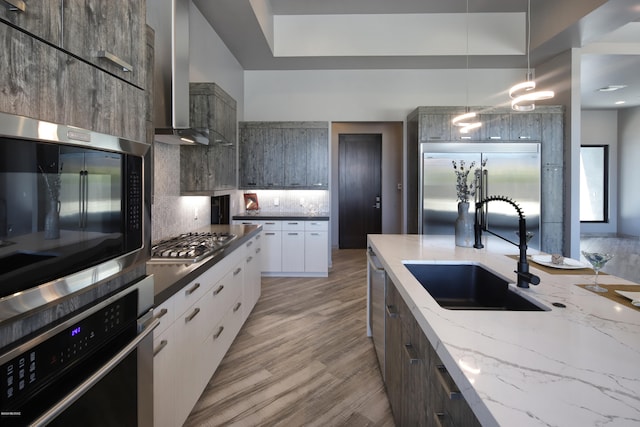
column 161, row 313
column 126, row 67
column 249, row 259
column 315, row 234
column 238, row 270
column 249, row 244
column 193, row 288
column 439, row 418
column 252, row 184
column 159, row 348
column 258, row 250
column 270, row 223
column 524, row 137
column 390, row 313
column 447, row 383
column 292, row 223
column 495, row 137
column 15, row 5
column 270, row 234
column 217, row 291
column 237, row 307
column 217, row 335
column 247, row 223
column 292, row 234
column 410, row 352
column 190, row 317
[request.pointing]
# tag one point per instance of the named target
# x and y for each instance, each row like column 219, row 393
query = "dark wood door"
column 360, row 176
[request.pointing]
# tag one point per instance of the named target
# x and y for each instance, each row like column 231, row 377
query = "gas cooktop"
column 190, row 247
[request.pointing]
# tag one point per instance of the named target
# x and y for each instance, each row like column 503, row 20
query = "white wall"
column 368, row 95
column 211, row 62
column 601, row 127
column 629, row 171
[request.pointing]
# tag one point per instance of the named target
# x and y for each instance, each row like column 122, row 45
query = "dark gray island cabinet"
column 420, row 390
column 284, row 155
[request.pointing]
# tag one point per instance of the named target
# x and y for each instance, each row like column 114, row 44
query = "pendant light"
column 523, row 94
column 464, row 120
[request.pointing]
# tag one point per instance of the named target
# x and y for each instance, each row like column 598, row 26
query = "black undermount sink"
column 468, row 286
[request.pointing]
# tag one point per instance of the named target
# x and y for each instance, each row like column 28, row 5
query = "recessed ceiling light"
column 611, row 88
column 620, row 102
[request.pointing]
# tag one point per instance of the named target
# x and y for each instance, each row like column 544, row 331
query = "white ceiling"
column 254, row 29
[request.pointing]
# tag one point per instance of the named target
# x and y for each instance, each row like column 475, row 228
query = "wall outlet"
column 276, row 201
column 195, row 213
column 301, row 202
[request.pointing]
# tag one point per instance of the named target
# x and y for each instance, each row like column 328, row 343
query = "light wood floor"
column 302, row 358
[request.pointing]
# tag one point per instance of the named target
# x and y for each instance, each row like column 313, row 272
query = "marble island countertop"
column 572, row 366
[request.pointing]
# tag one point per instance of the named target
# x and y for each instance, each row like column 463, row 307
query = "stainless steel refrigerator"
column 511, row 169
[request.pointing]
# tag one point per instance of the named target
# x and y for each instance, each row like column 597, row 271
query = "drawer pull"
column 439, row 418
column 247, row 223
column 258, row 250
column 161, row 313
column 270, row 234
column 411, row 356
column 249, row 244
column 238, row 270
column 249, row 259
column 217, row 291
column 270, row 223
column 192, row 289
column 15, row 5
column 391, row 313
column 237, row 307
column 159, row 348
column 126, row 67
column 292, row 223
column 190, row 317
column 447, row 383
column 217, row 334
column 292, row 234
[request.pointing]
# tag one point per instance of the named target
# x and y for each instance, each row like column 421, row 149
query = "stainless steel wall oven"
column 95, row 368
column 74, row 210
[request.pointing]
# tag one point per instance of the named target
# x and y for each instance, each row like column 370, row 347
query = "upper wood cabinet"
column 207, row 168
column 525, row 126
column 108, row 34
column 284, row 155
column 42, row 18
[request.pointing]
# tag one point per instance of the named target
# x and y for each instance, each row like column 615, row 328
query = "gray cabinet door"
column 295, row 157
column 435, row 127
column 273, row 158
column 252, row 157
column 42, row 18
column 108, row 34
column 494, row 126
column 525, row 126
column 317, row 158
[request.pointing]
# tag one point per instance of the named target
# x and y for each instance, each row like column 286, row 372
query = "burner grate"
column 190, row 247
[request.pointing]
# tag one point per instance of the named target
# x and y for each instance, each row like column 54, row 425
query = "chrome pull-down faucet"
column 524, row 277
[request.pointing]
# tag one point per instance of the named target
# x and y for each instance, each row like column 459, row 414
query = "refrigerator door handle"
column 484, row 193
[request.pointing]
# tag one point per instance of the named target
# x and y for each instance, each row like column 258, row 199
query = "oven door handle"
column 74, row 395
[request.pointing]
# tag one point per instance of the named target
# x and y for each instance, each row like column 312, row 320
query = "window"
column 594, row 183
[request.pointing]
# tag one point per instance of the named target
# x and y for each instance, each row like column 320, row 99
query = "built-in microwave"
column 74, row 209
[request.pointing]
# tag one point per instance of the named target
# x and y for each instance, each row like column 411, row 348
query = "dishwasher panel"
column 377, row 289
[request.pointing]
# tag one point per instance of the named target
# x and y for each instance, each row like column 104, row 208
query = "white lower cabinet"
column 252, row 274
column 294, row 247
column 194, row 335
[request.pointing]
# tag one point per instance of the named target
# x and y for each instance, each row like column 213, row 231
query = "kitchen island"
column 577, row 365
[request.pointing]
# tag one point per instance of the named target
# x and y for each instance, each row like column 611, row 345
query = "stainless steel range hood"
column 170, row 20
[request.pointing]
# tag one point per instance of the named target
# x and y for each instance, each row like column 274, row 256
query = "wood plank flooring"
column 302, row 358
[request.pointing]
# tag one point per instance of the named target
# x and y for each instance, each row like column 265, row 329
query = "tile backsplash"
column 290, row 201
column 172, row 214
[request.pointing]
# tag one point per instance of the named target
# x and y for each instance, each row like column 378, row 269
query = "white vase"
column 464, row 226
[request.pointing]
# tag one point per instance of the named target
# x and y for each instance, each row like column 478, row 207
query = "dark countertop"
column 170, row 278
column 285, row 216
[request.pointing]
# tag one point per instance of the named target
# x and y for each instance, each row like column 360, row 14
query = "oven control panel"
column 57, row 357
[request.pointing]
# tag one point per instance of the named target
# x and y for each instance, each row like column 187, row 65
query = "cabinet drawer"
column 166, row 313
column 293, row 225
column 223, row 294
column 316, row 225
column 271, row 225
column 191, row 293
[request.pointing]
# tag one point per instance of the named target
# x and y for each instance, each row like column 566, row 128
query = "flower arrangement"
column 464, row 189
column 53, row 183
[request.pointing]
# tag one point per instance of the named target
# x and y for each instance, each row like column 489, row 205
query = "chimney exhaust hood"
column 170, row 21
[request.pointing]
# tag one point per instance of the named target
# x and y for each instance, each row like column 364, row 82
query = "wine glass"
column 597, row 260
